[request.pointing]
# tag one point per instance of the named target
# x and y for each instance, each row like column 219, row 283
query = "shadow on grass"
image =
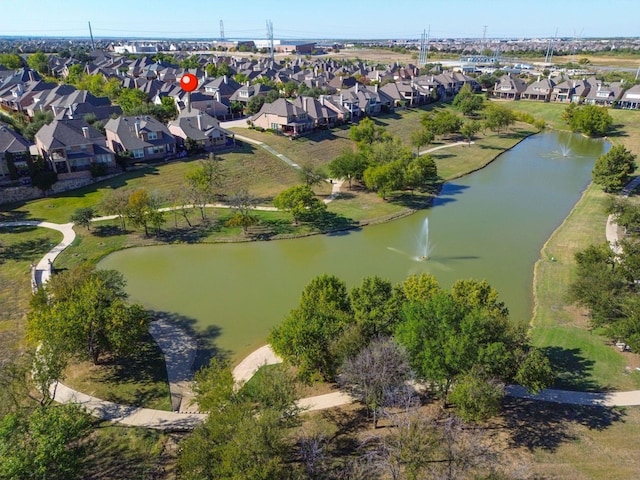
column 14, row 216
column 330, row 222
column 194, row 234
column 25, row 250
column 573, row 369
column 543, row 425
column 205, row 337
column 617, row 131
column 107, row 231
column 348, row 424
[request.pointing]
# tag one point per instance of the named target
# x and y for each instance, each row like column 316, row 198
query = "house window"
column 152, row 135
column 138, row 153
column 275, row 126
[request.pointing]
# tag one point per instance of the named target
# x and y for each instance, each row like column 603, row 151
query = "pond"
column 488, row 225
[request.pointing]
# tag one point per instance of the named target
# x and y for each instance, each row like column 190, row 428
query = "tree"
column 255, row 104
column 300, row 201
column 445, row 122
column 374, row 375
column 469, row 129
column 446, row 338
column 498, row 117
column 418, row 288
column 244, row 436
column 204, row 181
column 535, row 372
column 117, row 203
column 305, row 337
column 42, row 177
column 479, row 294
column 243, row 204
column 350, row 165
column 599, row 284
column 591, row 120
column 367, row 132
column 87, row 315
column 83, row 216
column 310, row 176
column 138, row 209
column 612, row 169
column 476, row 396
column 43, row 443
column 12, row 61
column 131, row 99
column 467, row 101
column 37, row 122
column 421, row 137
column 39, row 62
column 385, row 178
column 374, row 307
column 421, row 173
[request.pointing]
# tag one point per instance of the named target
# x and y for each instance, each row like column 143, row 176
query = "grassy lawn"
column 139, row 380
column 316, row 149
column 19, row 247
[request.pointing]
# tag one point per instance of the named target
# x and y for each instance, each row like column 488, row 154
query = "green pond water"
column 488, row 225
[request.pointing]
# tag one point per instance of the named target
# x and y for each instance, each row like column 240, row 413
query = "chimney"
column 136, row 125
column 217, row 95
column 53, row 110
column 31, row 76
column 70, row 112
column 199, row 118
column 225, row 79
column 85, row 132
column 376, row 88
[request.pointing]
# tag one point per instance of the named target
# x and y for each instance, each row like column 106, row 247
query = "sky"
column 321, row 19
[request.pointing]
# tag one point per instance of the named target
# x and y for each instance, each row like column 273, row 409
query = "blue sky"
column 321, row 18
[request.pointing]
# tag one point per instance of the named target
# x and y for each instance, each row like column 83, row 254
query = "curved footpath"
column 179, row 354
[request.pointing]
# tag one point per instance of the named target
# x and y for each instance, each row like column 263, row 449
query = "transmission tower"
column 270, row 38
column 221, row 31
column 424, row 47
column 549, row 55
column 93, row 45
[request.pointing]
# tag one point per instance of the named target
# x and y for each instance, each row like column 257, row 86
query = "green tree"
column 89, row 317
column 480, row 295
column 420, row 138
column 591, row 120
column 445, row 122
column 535, row 373
column 445, row 338
column 190, row 63
column 421, row 173
column 476, row 397
column 305, row 337
column 82, row 216
column 12, row 61
column 117, row 203
column 350, row 165
column 204, row 182
column 367, row 132
column 467, row 101
column 374, row 307
column 255, row 103
column 39, row 62
column 37, row 122
column 418, row 288
column 310, row 175
column 612, row 170
column 131, row 99
column 599, row 284
column 300, row 201
column 243, row 205
column 44, row 443
column 498, row 117
column 42, row 177
column 139, row 206
column 385, row 178
column 469, row 129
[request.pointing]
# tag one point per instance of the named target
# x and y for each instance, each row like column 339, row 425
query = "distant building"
column 133, row 48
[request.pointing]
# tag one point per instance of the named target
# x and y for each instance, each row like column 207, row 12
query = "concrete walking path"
column 448, row 145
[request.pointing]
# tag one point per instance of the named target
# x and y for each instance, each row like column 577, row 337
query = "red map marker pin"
column 189, row 82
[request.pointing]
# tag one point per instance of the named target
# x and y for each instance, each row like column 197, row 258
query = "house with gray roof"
column 284, row 117
column 630, row 99
column 322, row 116
column 72, row 147
column 539, row 90
column 202, row 128
column 509, row 88
column 603, row 94
column 14, row 152
column 144, row 137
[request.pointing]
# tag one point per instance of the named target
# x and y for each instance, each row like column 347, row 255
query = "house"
column 570, row 91
column 202, row 128
column 322, row 116
column 284, row 117
column 364, row 100
column 247, row 92
column 631, row 99
column 14, row 152
column 540, row 90
column 509, row 88
column 602, row 94
column 145, row 138
column 72, row 147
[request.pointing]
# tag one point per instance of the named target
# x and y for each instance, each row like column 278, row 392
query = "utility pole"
column 422, row 57
column 93, row 45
